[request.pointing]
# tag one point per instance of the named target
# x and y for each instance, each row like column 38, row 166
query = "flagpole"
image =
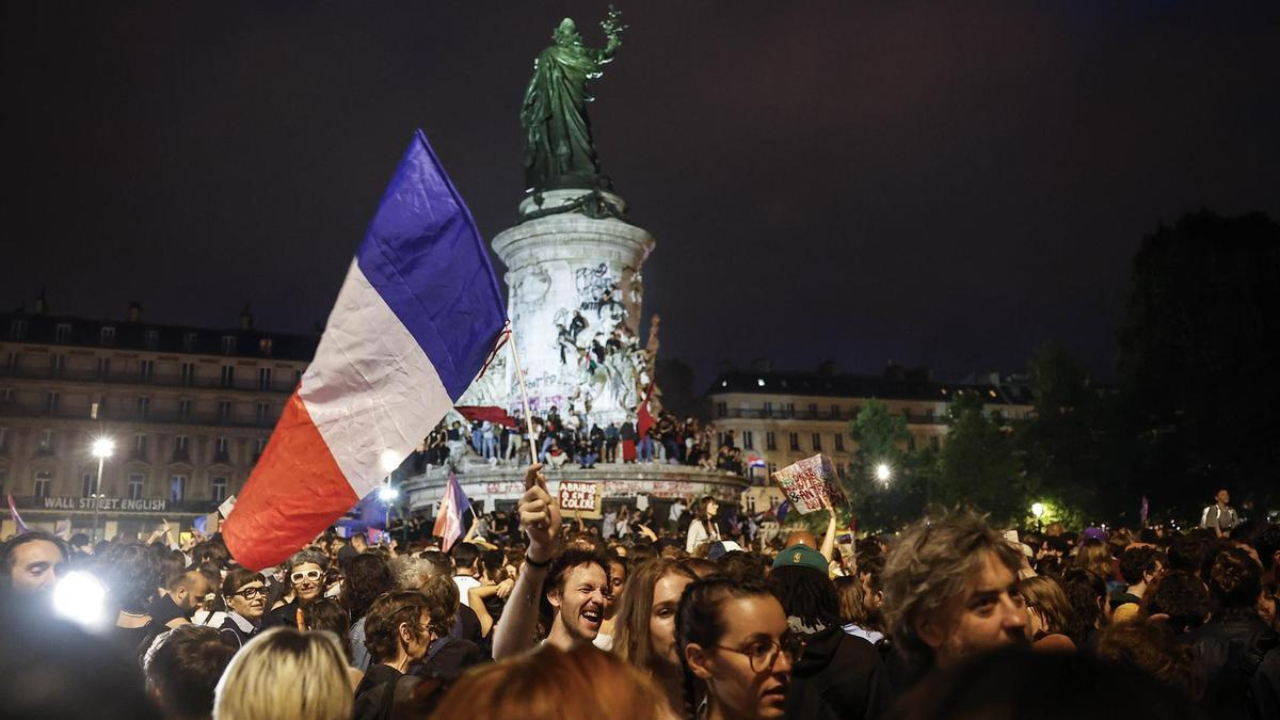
column 524, row 393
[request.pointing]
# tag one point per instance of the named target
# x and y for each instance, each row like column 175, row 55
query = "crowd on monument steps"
column 544, row 616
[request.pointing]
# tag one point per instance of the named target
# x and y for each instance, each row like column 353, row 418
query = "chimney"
column 135, row 312
column 246, row 319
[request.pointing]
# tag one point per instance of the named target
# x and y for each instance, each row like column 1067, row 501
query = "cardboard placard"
column 227, row 506
column 805, row 483
column 580, row 497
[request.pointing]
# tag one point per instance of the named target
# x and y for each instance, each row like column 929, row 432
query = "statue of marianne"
column 559, row 152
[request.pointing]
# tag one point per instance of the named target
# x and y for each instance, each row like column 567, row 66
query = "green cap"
column 802, row 555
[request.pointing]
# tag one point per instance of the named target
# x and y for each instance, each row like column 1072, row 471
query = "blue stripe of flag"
column 424, row 256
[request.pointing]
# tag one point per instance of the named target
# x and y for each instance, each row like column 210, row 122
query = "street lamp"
column 390, row 460
column 1037, row 509
column 883, row 472
column 102, row 449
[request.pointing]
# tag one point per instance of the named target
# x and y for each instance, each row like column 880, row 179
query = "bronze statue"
column 560, row 152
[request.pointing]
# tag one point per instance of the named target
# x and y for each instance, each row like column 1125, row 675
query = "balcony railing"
column 248, row 384
column 12, row 409
column 776, row 414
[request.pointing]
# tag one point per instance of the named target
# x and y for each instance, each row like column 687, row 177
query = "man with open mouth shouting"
column 570, row 588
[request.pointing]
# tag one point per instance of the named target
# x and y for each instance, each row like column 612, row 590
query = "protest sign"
column 580, row 498
column 807, row 482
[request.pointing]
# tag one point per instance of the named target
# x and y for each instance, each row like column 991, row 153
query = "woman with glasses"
column 737, row 651
column 397, row 632
column 305, row 574
column 246, row 597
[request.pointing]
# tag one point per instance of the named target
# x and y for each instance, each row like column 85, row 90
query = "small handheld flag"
column 418, row 314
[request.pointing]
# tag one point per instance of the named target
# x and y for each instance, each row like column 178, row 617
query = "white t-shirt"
column 465, row 583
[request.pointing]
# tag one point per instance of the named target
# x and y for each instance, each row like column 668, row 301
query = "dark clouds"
column 940, row 184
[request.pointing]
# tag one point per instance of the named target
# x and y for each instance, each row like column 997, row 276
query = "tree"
column 881, row 437
column 1197, row 360
column 977, row 466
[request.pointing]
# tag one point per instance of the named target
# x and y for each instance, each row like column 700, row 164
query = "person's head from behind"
column 645, row 629
column 735, row 642
column 576, row 591
column 443, row 599
column 1234, row 580
column 1014, row 683
column 183, row 668
column 306, row 570
column 1187, row 552
column 807, row 595
column 466, row 559
column 551, row 684
column 131, row 574
column 1094, row 556
column 852, row 596
column 328, row 615
column 1140, row 565
column 397, row 629
column 1152, row 647
column 951, row 589
column 33, row 562
column 1087, row 594
column 1178, row 598
column 210, row 552
column 245, row 593
column 365, row 577
column 284, row 673
column 1048, row 610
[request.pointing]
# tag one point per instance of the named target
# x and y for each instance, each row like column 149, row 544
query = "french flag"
column 417, row 316
column 452, row 514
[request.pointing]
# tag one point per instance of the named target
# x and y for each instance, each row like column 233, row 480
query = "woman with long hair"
column 703, row 528
column 367, row 576
column 1049, row 613
column 737, row 651
column 645, row 627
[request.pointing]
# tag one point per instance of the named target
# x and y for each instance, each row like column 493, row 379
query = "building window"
column 62, row 333
column 104, row 368
column 264, row 378
column 6, row 395
column 928, row 415
column 773, row 468
column 184, row 409
column 146, row 369
column 817, row 442
column 107, row 335
column 265, row 346
column 793, row 440
column 263, row 412
column 144, row 407
column 934, row 443
column 180, row 443
column 835, row 412
column 260, row 448
column 46, row 442
column 222, row 450
column 839, row 442
column 188, row 376
column 768, row 409
column 18, row 330
column 748, row 440
column 188, row 342
column 297, row 378
column 44, row 482
column 722, row 409
column 813, row 410
column 136, row 481
column 228, row 344
column 770, row 441
column 57, row 365
column 791, row 410
column 4, row 481
column 218, row 487
column 4, row 439
column 87, row 485
column 911, row 443
column 51, row 400
column 151, row 339
column 224, row 410
column 228, row 375
column 177, row 488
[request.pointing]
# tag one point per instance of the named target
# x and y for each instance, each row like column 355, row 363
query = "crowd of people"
column 549, row 617
column 570, row 440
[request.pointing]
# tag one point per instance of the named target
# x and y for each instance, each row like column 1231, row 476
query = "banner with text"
column 580, row 498
column 807, row 482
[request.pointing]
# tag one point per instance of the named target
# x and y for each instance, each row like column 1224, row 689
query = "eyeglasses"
column 763, row 655
column 250, row 593
column 311, row 575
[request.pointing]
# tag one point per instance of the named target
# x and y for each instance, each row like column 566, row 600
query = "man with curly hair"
column 951, row 590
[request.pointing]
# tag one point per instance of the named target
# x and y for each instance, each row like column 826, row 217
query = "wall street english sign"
column 106, row 504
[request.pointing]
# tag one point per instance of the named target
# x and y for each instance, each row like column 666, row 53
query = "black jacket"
column 1234, row 688
column 839, row 676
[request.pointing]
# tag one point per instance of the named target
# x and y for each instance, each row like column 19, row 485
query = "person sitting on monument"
column 587, row 456
column 554, row 456
column 573, row 584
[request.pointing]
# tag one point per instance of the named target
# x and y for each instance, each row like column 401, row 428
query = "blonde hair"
column 284, row 673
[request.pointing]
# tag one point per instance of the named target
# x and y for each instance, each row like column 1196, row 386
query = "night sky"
column 933, row 184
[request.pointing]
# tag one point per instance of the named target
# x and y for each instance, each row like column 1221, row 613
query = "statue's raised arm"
column 560, row 152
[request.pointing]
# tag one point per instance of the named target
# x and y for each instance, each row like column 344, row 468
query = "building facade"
column 778, row 418
column 189, row 411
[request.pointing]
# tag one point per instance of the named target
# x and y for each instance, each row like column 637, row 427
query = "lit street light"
column 102, row 449
column 1037, row 509
column 390, row 460
column 883, row 472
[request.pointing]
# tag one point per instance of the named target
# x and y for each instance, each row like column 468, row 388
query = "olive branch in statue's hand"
column 612, row 24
